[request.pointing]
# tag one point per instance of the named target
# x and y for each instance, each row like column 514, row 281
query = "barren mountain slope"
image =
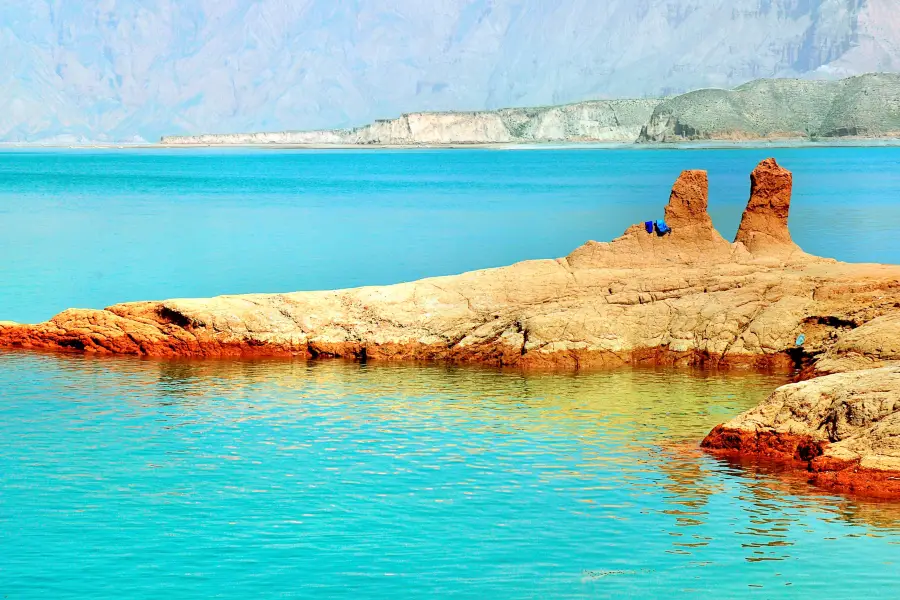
column 113, row 69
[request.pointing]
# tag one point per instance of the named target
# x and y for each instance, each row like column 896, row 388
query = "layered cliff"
column 595, row 121
column 867, row 106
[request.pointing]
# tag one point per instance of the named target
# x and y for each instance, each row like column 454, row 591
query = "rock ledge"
column 843, row 430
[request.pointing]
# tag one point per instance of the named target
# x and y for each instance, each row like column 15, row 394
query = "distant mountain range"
column 130, row 69
column 865, row 106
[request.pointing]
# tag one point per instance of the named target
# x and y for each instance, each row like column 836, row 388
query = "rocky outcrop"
column 689, row 297
column 687, row 211
column 777, row 109
column 693, row 241
column 873, row 344
column 764, row 226
column 843, row 430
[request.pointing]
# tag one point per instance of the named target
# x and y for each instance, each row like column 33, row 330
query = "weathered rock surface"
column 689, row 297
column 873, row 344
column 764, row 226
column 696, row 299
column 844, row 429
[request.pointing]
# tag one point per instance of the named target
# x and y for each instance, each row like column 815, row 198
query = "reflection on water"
column 123, row 477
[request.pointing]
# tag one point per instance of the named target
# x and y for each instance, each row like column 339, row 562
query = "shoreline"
column 686, row 297
column 694, row 145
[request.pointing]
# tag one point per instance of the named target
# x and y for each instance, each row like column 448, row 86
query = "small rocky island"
column 650, row 297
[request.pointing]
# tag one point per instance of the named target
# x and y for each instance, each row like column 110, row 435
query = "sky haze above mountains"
column 115, row 69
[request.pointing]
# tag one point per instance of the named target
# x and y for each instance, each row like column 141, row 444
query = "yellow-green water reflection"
column 227, row 477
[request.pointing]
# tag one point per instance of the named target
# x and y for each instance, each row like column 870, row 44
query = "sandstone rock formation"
column 692, row 242
column 689, row 297
column 764, row 226
column 844, row 429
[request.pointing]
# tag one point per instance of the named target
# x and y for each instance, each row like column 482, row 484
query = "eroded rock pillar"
column 764, row 226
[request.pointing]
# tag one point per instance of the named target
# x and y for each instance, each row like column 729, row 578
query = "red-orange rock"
column 794, row 452
column 777, row 446
column 843, row 430
column 764, row 226
column 686, row 212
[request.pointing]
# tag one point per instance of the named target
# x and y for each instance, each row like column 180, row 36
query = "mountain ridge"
column 122, row 70
column 864, row 106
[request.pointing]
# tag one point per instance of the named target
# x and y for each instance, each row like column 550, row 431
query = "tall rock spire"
column 764, row 226
column 686, row 213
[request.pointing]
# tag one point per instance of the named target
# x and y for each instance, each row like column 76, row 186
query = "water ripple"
column 138, row 478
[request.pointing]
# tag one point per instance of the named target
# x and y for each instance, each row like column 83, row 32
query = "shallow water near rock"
column 122, row 477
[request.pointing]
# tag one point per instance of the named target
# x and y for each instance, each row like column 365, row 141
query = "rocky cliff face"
column 596, row 121
column 866, row 106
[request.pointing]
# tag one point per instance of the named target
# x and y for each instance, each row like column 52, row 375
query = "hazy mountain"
column 113, row 69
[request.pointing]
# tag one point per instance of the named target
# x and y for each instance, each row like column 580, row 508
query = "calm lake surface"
column 122, row 477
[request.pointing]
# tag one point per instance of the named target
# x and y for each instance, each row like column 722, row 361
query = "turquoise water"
column 122, row 477
column 143, row 479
